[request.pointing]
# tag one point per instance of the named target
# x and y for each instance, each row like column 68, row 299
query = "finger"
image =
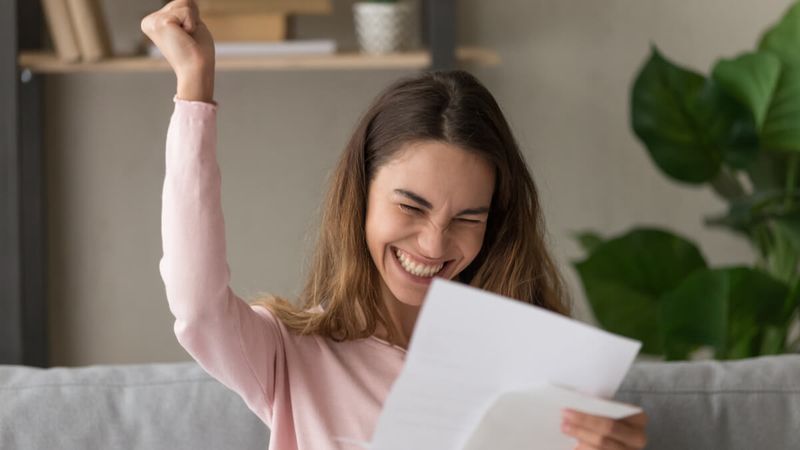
column 184, row 5
column 591, row 440
column 636, row 419
column 165, row 19
column 583, row 446
column 618, row 430
column 191, row 19
column 189, row 24
column 180, row 4
column 183, row 14
column 157, row 23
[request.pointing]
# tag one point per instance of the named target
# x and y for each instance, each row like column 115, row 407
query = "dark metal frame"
column 23, row 312
column 440, row 32
column 23, row 327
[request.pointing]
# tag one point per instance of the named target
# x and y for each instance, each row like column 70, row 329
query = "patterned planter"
column 383, row 27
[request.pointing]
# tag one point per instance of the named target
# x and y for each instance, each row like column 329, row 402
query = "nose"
column 431, row 241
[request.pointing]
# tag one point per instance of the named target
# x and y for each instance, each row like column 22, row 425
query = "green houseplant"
column 738, row 131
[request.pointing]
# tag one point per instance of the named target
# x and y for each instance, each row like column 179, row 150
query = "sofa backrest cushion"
column 148, row 407
column 737, row 405
column 748, row 404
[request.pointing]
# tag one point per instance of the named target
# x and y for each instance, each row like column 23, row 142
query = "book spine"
column 61, row 30
column 262, row 6
column 90, row 29
column 246, row 27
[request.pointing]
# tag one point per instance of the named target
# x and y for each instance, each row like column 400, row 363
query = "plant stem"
column 727, row 186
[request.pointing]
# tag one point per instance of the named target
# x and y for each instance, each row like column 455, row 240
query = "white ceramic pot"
column 382, row 27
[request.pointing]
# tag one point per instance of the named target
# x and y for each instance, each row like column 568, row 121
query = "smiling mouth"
column 414, row 268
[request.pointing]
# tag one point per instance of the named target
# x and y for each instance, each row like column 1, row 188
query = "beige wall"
column 567, row 68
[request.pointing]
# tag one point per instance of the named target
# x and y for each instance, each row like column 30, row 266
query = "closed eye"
column 409, row 208
column 469, row 220
column 414, row 210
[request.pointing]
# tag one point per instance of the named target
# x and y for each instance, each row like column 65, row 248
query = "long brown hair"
column 341, row 298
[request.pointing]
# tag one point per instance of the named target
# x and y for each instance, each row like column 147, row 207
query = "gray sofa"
column 748, row 404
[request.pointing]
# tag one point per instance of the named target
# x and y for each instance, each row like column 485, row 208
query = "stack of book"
column 259, row 27
column 78, row 29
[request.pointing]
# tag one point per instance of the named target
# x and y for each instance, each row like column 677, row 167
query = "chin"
column 410, row 297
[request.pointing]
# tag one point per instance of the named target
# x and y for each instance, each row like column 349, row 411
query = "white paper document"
column 531, row 419
column 487, row 372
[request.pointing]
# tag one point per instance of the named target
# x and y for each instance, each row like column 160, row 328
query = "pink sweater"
column 312, row 392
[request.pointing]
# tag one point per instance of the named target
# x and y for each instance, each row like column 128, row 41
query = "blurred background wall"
column 567, row 67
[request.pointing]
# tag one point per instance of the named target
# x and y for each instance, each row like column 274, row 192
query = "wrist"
column 196, row 88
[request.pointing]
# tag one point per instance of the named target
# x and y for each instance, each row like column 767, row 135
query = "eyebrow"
column 427, row 205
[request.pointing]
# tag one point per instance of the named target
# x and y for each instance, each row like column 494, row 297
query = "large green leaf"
column 625, row 277
column 784, row 252
column 688, row 123
column 626, row 311
column 752, row 79
column 767, row 172
column 781, row 129
column 784, row 38
column 771, row 225
column 733, row 124
column 588, row 240
column 737, row 311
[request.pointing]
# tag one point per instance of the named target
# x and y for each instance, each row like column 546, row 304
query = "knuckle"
column 162, row 21
column 147, row 24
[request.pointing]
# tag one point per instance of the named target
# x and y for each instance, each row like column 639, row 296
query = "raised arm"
column 236, row 344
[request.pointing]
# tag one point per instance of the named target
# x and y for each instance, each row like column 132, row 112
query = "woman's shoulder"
column 292, row 338
column 276, row 321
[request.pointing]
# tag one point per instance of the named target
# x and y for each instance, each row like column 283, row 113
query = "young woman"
column 431, row 184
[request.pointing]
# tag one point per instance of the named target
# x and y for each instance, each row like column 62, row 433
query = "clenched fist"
column 187, row 45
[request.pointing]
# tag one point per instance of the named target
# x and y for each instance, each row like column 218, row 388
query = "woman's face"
column 426, row 215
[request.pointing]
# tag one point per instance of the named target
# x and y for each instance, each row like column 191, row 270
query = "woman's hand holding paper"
column 602, row 433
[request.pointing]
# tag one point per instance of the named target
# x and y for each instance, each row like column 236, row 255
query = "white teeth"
column 414, row 268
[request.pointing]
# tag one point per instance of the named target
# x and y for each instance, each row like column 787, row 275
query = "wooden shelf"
column 47, row 62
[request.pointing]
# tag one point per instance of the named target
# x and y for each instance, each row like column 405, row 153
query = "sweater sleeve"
column 233, row 342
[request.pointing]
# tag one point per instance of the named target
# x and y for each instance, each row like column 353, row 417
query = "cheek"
column 373, row 234
column 471, row 241
column 384, row 225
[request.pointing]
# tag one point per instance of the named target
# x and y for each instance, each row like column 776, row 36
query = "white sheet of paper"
column 531, row 418
column 470, row 346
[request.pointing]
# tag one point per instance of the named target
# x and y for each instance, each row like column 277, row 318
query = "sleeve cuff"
column 194, row 103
